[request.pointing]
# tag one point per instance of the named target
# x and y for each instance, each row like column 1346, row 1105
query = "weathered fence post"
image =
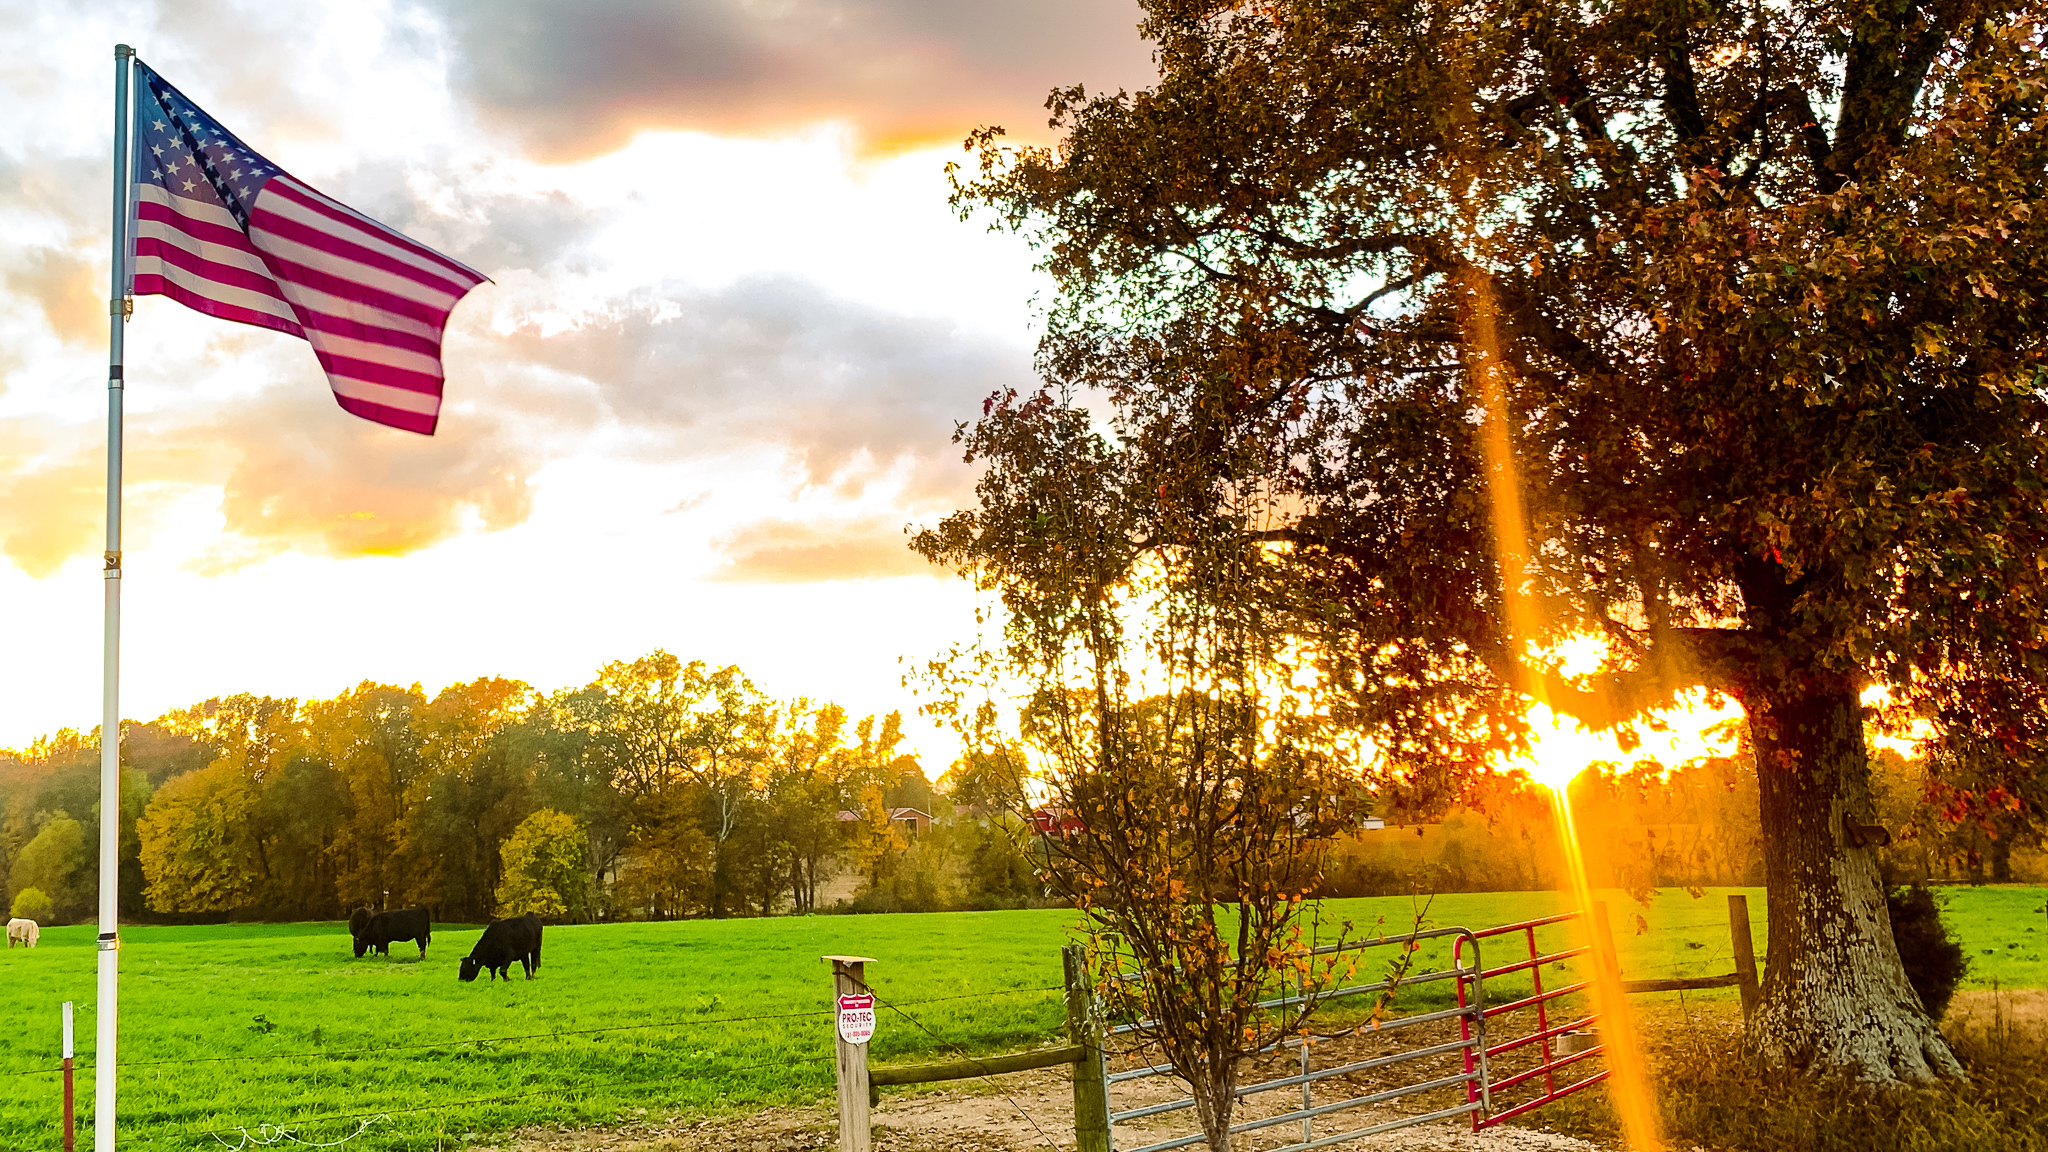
column 1745, row 953
column 850, row 986
column 1091, row 1076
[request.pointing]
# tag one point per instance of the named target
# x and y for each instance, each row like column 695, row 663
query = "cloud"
column 860, row 403
column 52, row 496
column 779, row 551
column 490, row 230
column 53, row 245
column 846, row 406
column 45, row 185
column 576, row 79
column 310, row 480
column 68, row 289
column 857, row 402
column 292, row 473
column 852, row 393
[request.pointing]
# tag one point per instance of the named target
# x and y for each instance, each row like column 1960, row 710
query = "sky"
column 731, row 326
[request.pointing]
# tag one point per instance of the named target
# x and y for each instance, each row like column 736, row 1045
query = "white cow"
column 24, row 931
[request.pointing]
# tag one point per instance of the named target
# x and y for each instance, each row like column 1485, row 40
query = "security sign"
column 857, row 1017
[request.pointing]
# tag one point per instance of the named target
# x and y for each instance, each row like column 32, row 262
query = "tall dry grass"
column 1709, row 1099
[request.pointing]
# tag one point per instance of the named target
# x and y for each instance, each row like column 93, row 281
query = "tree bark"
column 1214, row 1096
column 1836, row 999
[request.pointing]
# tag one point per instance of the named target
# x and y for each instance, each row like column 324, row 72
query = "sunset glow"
column 1561, row 748
column 731, row 323
column 1628, row 1078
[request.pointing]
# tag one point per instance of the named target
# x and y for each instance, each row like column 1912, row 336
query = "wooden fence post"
column 1745, row 954
column 849, row 978
column 1091, row 1087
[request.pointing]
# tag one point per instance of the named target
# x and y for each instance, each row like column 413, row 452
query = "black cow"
column 378, row 929
column 514, row 938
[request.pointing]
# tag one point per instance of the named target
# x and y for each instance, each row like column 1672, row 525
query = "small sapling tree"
column 1195, row 782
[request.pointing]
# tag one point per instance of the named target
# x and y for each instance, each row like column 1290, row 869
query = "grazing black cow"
column 514, row 938
column 378, row 929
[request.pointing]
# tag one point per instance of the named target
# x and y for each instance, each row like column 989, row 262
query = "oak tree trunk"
column 1836, row 999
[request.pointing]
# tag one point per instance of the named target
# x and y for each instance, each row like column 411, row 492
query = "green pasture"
column 236, row 1026
column 241, row 1025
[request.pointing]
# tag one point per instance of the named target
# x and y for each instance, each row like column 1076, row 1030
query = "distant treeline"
column 1644, row 827
column 1693, row 826
column 661, row 789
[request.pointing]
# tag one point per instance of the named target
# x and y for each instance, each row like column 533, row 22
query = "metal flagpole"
column 118, row 305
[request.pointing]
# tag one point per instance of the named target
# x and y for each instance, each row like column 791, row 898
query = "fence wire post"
column 849, row 977
column 1745, row 954
column 1091, row 1071
column 70, row 1136
column 1308, row 1130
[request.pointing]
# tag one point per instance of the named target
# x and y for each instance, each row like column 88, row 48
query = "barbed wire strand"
column 335, row 1052
column 264, row 1139
column 586, row 1087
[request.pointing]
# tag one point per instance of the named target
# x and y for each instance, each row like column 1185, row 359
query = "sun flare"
column 1700, row 727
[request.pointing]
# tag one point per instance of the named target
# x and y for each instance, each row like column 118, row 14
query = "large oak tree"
column 1759, row 287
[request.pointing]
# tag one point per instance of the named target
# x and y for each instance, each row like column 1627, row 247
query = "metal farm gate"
column 1557, row 1046
column 1488, row 1061
column 1475, row 1070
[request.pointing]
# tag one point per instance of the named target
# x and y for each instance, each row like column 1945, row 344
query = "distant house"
column 913, row 820
column 910, row 821
column 1373, row 824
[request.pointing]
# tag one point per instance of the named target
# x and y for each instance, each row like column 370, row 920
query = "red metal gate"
column 1545, row 1033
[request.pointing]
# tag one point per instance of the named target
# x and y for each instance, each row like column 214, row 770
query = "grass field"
column 241, row 1025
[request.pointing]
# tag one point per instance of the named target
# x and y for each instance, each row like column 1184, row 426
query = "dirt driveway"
column 964, row 1120
column 1029, row 1112
column 1023, row 1113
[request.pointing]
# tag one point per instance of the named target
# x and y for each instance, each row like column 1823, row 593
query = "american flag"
column 220, row 229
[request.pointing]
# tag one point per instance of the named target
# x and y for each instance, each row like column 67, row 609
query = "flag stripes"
column 372, row 303
column 222, row 230
column 196, row 254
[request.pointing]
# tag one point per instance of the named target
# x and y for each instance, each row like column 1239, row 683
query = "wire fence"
column 586, row 1088
column 988, row 1075
column 272, row 1134
column 374, row 1049
column 291, row 1132
column 377, row 1125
